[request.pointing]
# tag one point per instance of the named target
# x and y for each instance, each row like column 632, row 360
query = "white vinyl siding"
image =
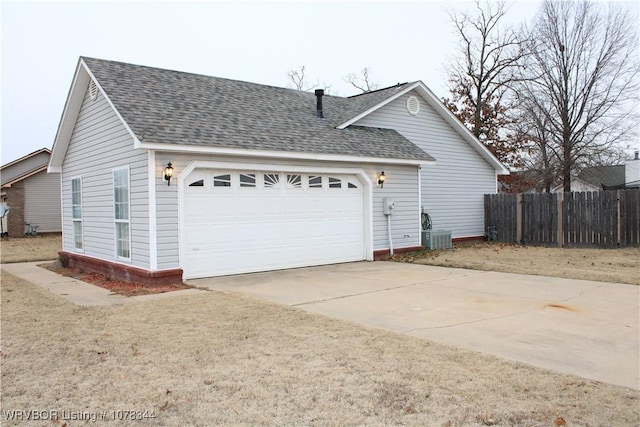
column 42, row 202
column 100, row 143
column 121, row 205
column 401, row 184
column 453, row 187
column 76, row 212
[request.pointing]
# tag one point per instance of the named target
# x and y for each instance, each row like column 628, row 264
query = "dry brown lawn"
column 223, row 359
column 23, row 249
column 605, row 265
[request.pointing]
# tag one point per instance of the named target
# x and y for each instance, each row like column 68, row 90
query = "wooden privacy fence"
column 606, row 219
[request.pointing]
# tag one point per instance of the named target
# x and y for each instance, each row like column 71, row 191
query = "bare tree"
column 361, row 81
column 481, row 75
column 581, row 80
column 298, row 78
column 539, row 159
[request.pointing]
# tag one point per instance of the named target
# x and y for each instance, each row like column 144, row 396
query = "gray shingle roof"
column 608, row 176
column 163, row 106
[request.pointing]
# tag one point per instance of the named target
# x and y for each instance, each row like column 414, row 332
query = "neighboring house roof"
column 599, row 177
column 7, row 179
column 603, row 176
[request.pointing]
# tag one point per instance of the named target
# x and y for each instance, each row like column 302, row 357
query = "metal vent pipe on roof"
column 319, row 95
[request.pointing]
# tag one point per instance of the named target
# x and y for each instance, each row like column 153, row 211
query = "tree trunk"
column 566, row 167
column 477, row 114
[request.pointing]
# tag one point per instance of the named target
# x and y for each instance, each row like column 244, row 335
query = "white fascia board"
column 453, row 121
column 377, row 106
column 67, row 120
column 72, row 106
column 220, row 151
column 447, row 115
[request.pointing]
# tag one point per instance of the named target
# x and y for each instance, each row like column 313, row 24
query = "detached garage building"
column 169, row 175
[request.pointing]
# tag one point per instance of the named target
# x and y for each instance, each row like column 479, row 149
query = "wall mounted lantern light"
column 381, row 178
column 168, row 173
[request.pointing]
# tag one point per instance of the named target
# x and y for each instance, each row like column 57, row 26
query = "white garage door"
column 247, row 221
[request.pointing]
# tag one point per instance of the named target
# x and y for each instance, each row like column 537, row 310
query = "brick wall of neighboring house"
column 15, row 200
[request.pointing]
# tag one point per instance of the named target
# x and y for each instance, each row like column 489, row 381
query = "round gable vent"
column 93, row 90
column 413, row 105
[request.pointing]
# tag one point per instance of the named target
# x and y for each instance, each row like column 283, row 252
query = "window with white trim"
column 248, row 180
column 222, row 180
column 335, row 182
column 76, row 213
column 271, row 180
column 121, row 207
column 315, row 181
column 294, row 181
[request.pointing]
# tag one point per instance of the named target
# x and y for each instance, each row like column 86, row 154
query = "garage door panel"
column 229, row 230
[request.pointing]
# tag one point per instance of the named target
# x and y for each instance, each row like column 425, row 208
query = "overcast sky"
column 252, row 41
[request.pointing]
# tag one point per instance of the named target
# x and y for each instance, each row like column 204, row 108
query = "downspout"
column 390, row 240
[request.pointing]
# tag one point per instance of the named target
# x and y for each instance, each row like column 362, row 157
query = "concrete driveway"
column 585, row 328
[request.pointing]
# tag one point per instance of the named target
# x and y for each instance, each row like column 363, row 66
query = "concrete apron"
column 585, row 328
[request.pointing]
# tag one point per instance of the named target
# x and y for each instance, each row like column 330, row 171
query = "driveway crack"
column 504, row 316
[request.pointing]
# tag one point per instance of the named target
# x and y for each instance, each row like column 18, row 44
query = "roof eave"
column 69, row 115
column 284, row 155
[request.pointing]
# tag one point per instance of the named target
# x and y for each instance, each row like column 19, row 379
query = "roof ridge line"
column 169, row 70
column 378, row 90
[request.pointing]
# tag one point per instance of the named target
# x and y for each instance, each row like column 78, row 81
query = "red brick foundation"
column 474, row 239
column 121, row 272
column 382, row 254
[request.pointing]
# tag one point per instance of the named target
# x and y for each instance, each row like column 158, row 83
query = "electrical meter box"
column 388, row 205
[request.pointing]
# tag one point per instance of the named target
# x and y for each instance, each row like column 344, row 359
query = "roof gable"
column 432, row 100
column 81, row 79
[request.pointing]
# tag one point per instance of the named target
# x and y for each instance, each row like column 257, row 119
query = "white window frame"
column 79, row 219
column 126, row 220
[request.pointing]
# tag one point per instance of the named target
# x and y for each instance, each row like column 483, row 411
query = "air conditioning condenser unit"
column 436, row 239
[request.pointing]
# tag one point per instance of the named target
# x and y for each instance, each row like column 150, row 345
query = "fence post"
column 619, row 213
column 519, row 218
column 560, row 213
